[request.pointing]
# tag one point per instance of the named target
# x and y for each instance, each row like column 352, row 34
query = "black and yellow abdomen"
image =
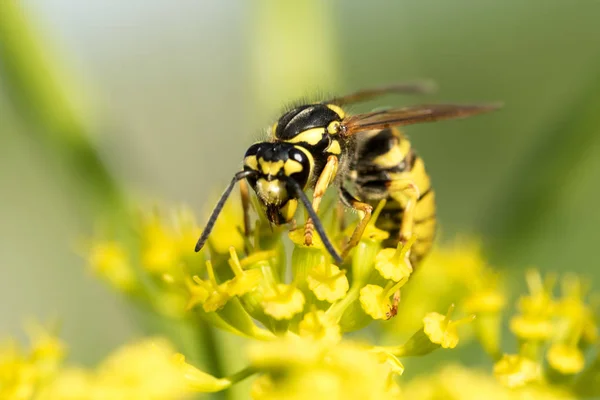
column 384, row 162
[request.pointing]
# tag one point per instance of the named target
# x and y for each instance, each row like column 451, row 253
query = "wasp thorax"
column 306, row 118
column 277, row 165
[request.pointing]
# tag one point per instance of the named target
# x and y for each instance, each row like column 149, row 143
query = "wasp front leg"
column 245, row 194
column 365, row 209
column 325, row 179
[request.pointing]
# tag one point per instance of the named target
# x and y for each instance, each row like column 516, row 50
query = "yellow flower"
column 451, row 274
column 440, row 329
column 516, row 371
column 285, row 302
column 327, row 282
column 566, row 359
column 140, row 370
column 228, row 230
column 531, row 327
column 456, row 382
column 394, row 263
column 537, row 309
column 485, row 301
column 199, row 291
column 375, row 300
column 243, row 281
column 212, row 295
column 296, row 368
column 109, row 260
column 575, row 319
column 160, row 250
column 197, row 380
column 23, row 372
column 70, row 384
column 319, row 326
column 46, row 348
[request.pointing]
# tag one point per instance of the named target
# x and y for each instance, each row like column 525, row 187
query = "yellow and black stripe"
column 382, row 159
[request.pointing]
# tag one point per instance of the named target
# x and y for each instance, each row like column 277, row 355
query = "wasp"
column 314, row 146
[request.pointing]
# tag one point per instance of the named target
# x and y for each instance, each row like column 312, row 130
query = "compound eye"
column 253, row 150
column 298, row 166
column 250, row 159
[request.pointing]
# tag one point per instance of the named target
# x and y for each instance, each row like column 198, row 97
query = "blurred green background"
column 172, row 93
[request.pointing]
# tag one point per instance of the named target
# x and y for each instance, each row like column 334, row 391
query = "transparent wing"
column 411, row 115
column 418, row 87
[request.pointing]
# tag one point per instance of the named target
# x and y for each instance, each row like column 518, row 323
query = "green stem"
column 211, row 347
column 243, row 374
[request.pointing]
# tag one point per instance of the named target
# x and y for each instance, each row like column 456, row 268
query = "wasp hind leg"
column 323, row 183
column 407, row 190
column 365, row 209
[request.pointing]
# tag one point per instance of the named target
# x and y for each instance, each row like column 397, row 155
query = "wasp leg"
column 393, row 311
column 339, row 214
column 366, row 211
column 323, row 182
column 245, row 194
column 407, row 190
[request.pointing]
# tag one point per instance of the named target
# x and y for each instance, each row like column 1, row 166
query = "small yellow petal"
column 327, row 282
column 531, row 327
column 516, row 371
column 565, row 359
column 197, row 380
column 110, row 261
column 243, row 283
column 441, row 330
column 216, row 300
column 394, row 264
column 374, row 301
column 286, row 302
column 319, row 326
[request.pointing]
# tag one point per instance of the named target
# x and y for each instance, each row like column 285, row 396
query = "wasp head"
column 276, row 164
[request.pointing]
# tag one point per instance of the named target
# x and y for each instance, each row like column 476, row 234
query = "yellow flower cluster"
column 243, row 284
column 151, row 262
column 298, row 312
column 145, row 370
column 456, row 274
column 553, row 333
column 455, row 382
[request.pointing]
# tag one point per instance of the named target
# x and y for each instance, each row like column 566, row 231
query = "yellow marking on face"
column 289, row 209
column 271, row 192
column 311, row 136
column 338, row 110
column 334, row 147
column 270, row 167
column 333, row 128
column 252, row 162
column 274, row 129
column 310, row 158
column 291, row 167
